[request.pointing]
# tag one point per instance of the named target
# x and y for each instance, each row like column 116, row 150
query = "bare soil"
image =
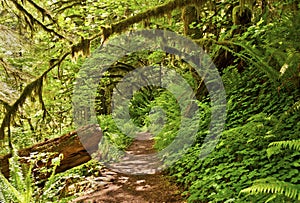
column 140, row 183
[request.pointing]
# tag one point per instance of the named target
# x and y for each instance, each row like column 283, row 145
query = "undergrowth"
column 262, row 108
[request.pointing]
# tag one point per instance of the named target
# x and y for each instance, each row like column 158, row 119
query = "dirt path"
column 135, row 179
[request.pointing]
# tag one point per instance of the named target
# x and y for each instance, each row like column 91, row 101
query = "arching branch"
column 31, row 88
column 150, row 13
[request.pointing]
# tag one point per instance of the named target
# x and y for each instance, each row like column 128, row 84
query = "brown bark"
column 190, row 16
column 70, row 145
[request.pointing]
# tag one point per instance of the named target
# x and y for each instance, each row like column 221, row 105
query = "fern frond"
column 16, row 174
column 11, row 189
column 49, row 185
column 275, row 147
column 288, row 144
column 295, row 108
column 275, row 187
column 273, row 150
column 258, row 61
column 29, row 185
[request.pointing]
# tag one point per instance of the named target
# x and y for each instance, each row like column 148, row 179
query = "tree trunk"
column 75, row 146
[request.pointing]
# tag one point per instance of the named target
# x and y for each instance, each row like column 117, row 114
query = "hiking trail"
column 141, row 182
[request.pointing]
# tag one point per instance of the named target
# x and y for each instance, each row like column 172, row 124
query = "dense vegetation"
column 255, row 45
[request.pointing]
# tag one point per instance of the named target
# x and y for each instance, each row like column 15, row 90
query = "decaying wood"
column 75, row 146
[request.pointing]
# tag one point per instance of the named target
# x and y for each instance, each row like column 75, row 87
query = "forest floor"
column 135, row 179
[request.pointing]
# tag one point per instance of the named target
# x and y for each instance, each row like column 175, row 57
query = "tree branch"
column 43, row 11
column 60, row 10
column 150, row 13
column 5, row 104
column 36, row 85
column 34, row 20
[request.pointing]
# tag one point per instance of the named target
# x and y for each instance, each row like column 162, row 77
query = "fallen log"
column 75, row 146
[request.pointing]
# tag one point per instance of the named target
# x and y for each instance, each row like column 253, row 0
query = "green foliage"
column 254, row 121
column 275, row 187
column 273, row 53
column 113, row 141
column 21, row 186
column 239, row 158
column 295, row 108
column 164, row 119
column 261, row 78
column 112, row 132
column 288, row 144
column 272, row 185
column 140, row 104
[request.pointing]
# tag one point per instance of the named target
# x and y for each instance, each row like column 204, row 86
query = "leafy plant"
column 254, row 121
column 21, row 186
column 114, row 141
column 288, row 144
column 272, row 185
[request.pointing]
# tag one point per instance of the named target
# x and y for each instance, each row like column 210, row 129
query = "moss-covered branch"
column 43, row 11
column 34, row 20
column 5, row 104
column 150, row 13
column 34, row 87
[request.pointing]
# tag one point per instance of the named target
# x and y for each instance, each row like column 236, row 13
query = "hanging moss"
column 31, row 20
column 241, row 15
column 190, row 18
column 33, row 89
column 155, row 12
column 81, row 49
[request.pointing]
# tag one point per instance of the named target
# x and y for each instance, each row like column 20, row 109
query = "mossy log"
column 70, row 145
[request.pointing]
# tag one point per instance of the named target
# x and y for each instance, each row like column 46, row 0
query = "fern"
column 16, row 175
column 295, row 108
column 274, row 186
column 255, row 58
column 49, row 185
column 19, row 188
column 275, row 147
column 9, row 192
column 289, row 144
